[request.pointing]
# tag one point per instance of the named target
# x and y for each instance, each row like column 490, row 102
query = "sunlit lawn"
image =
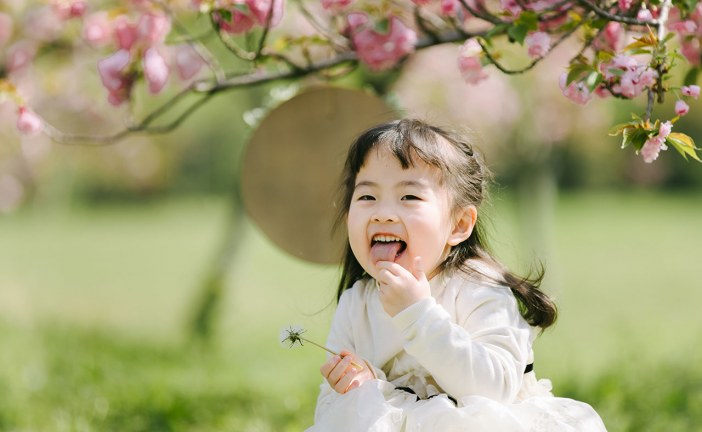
column 94, row 301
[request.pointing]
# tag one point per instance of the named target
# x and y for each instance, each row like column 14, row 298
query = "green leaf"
column 593, row 80
column 682, row 146
column 517, row 33
column 497, row 30
column 634, row 136
column 577, row 71
column 691, row 76
column 225, row 14
column 529, row 19
column 382, row 26
column 619, row 128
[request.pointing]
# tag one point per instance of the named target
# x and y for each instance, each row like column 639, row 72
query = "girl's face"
column 398, row 214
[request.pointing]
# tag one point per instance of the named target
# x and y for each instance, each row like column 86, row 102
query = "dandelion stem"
column 330, row 351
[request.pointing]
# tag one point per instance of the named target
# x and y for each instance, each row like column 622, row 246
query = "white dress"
column 468, row 342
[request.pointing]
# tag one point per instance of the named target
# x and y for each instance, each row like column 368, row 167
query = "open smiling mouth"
column 386, row 248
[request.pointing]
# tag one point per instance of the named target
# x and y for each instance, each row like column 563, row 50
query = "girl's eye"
column 410, row 197
column 366, row 198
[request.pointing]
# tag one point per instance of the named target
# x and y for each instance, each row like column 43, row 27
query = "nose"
column 384, row 214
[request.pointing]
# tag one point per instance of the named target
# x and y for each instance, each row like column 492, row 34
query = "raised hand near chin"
column 401, row 288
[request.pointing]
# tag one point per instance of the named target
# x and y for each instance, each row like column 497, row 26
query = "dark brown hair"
column 466, row 178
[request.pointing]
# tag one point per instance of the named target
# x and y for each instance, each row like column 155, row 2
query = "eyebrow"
column 404, row 183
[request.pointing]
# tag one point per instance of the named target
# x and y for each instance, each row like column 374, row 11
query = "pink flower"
column 97, row 29
column 450, row 7
column 644, row 15
column 691, row 50
column 155, row 70
column 652, row 148
column 624, row 5
column 28, row 122
column 380, row 50
column 67, row 9
column 469, row 62
column 576, row 91
column 664, row 130
column 153, row 28
column 114, row 74
column 691, row 90
column 188, row 62
column 511, row 7
column 538, row 43
column 5, row 28
column 335, row 5
column 612, row 36
column 255, row 13
column 681, row 108
column 126, row 33
column 684, row 28
column 19, row 55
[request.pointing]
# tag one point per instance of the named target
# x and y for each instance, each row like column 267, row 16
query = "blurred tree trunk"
column 205, row 312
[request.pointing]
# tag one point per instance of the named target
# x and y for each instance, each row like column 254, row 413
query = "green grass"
column 93, row 305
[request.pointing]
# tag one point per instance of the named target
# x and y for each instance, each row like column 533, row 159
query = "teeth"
column 386, row 238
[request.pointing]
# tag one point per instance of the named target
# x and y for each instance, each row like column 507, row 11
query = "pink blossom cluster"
column 681, row 107
column 28, row 122
column 689, row 31
column 538, row 44
column 336, row 5
column 135, row 39
column 140, row 47
column 577, row 91
column 625, row 76
column 378, row 49
column 514, row 8
column 448, row 8
column 469, row 62
column 653, row 145
column 240, row 16
column 67, row 9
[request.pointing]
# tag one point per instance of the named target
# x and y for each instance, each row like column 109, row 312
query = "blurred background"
column 135, row 295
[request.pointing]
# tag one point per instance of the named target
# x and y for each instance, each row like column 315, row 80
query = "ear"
column 463, row 225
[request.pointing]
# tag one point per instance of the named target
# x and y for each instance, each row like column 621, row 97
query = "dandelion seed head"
column 291, row 335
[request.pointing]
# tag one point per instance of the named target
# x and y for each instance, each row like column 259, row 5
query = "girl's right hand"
column 341, row 375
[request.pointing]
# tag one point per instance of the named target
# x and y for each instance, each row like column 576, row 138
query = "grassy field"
column 93, row 306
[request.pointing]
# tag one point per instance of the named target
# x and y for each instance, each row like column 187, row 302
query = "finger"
column 387, row 277
column 339, row 370
column 343, row 384
column 418, row 269
column 329, row 365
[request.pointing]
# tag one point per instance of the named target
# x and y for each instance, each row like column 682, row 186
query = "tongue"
column 385, row 251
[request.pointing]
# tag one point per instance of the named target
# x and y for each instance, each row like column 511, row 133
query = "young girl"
column 443, row 331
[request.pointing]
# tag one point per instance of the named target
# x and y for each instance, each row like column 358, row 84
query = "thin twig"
column 534, row 62
column 618, row 18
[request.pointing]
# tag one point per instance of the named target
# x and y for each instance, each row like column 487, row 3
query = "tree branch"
column 618, row 18
column 209, row 88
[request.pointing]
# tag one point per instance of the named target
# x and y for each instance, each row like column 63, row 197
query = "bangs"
column 407, row 142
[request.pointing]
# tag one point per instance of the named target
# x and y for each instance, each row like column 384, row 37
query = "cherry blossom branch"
column 201, row 50
column 484, row 15
column 210, row 88
column 660, row 34
column 618, row 18
column 534, row 62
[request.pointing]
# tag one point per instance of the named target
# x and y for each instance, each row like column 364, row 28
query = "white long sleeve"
column 469, row 337
column 482, row 352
